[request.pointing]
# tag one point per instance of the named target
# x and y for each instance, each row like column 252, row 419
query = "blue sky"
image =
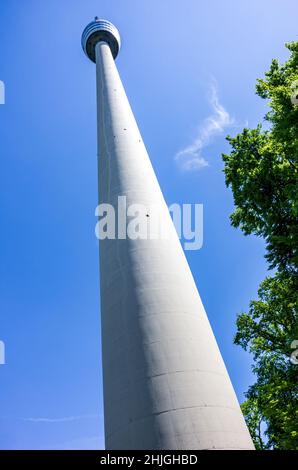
column 189, row 69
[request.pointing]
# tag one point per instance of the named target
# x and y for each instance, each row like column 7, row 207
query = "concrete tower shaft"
column 165, row 383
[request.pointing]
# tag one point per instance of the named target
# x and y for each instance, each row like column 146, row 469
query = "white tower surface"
column 165, row 383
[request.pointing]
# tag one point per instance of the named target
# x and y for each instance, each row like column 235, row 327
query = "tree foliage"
column 262, row 171
column 268, row 330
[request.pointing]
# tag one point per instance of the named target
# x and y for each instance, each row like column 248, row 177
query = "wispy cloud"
column 190, row 158
column 63, row 419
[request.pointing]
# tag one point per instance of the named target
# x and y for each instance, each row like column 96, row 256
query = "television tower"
column 165, row 383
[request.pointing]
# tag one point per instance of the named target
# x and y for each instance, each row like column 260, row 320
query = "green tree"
column 254, row 420
column 262, row 171
column 267, row 330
